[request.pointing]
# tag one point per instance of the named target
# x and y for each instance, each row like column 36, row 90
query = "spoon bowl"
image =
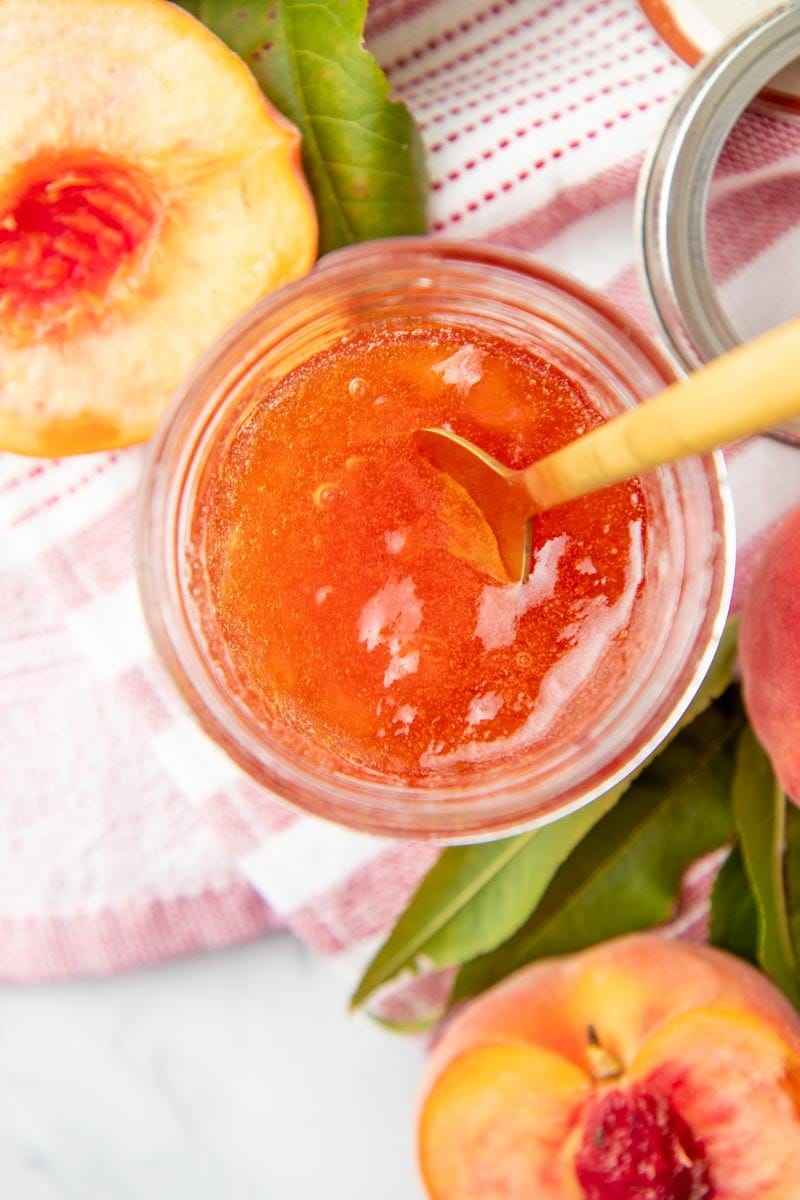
column 498, row 491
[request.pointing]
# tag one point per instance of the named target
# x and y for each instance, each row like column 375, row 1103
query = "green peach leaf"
column 626, row 874
column 476, row 897
column 734, row 919
column 791, row 873
column 362, row 153
column 719, row 675
column 760, row 812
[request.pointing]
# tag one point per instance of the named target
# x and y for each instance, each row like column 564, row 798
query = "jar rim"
column 675, row 185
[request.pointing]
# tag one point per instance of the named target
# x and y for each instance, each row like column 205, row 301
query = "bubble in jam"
column 356, row 592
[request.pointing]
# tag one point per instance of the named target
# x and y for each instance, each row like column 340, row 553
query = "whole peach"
column 769, row 652
column 640, row 1069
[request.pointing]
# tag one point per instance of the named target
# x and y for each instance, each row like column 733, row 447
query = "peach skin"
column 769, row 652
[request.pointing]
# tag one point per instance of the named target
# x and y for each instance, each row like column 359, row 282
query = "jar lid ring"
column 675, row 185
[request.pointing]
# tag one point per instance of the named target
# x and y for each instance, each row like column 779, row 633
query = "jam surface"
column 356, row 591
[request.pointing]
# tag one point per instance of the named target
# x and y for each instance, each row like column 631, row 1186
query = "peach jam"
column 357, row 594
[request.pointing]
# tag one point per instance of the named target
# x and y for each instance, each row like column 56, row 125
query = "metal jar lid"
column 676, row 181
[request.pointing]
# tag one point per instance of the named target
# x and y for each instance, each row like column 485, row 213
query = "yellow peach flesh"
column 495, row 1122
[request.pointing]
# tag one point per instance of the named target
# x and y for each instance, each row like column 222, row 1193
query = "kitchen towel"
column 125, row 835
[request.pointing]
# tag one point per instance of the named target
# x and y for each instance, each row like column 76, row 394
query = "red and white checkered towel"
column 125, row 836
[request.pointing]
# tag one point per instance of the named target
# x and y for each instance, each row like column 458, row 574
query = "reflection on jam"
column 358, row 591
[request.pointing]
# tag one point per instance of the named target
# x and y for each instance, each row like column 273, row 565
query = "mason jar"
column 687, row 559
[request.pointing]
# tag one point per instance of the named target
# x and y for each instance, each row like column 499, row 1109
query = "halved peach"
column 149, row 194
column 642, row 1069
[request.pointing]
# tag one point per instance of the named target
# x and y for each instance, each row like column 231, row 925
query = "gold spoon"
column 748, row 390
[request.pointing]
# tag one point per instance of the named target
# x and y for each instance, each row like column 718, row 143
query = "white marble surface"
column 236, row 1075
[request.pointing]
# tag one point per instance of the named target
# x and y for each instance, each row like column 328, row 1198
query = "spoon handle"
column 746, row 391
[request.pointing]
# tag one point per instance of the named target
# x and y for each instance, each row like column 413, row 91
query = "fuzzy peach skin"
column 518, row 1075
column 769, row 652
column 149, row 195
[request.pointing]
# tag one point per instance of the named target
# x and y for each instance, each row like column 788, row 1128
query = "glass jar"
column 688, row 559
